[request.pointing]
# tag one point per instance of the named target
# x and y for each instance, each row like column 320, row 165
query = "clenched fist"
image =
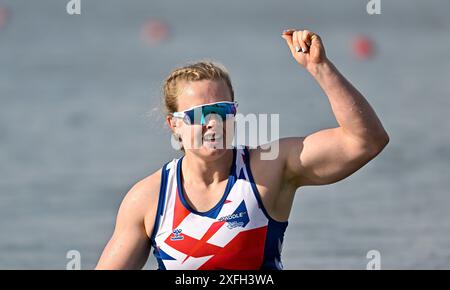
column 306, row 47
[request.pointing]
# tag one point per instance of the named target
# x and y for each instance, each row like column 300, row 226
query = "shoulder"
column 146, row 187
column 266, row 163
column 275, row 152
column 268, row 168
column 141, row 201
column 276, row 155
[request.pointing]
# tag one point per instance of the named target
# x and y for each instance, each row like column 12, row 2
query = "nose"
column 211, row 124
column 212, row 120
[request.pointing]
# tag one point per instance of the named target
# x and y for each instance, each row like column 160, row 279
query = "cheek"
column 230, row 127
column 190, row 133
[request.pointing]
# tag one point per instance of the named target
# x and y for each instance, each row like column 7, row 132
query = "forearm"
column 352, row 111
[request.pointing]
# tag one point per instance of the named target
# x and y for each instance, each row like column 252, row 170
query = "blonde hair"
column 203, row 70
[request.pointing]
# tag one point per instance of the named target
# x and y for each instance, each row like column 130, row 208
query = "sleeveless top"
column 236, row 234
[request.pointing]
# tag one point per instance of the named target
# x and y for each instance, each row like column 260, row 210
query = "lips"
column 212, row 137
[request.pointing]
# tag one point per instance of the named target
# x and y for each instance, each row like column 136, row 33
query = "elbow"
column 378, row 143
column 382, row 141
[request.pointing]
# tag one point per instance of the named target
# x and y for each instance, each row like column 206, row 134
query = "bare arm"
column 129, row 245
column 332, row 154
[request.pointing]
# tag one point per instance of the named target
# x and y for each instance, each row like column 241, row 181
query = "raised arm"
column 129, row 245
column 330, row 155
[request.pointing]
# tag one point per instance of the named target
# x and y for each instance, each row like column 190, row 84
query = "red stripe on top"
column 180, row 212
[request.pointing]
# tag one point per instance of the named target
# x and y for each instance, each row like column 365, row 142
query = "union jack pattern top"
column 236, row 234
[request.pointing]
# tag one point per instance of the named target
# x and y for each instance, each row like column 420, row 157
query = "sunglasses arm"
column 178, row 114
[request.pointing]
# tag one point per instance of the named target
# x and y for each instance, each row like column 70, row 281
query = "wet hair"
column 203, row 70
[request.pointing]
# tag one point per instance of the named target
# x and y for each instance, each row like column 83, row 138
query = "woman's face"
column 196, row 138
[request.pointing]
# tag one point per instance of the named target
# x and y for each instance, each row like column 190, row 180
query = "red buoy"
column 154, row 32
column 3, row 16
column 363, row 47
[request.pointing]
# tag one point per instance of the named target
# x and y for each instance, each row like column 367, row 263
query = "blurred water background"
column 80, row 120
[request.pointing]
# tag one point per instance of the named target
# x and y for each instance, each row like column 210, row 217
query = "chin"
column 211, row 152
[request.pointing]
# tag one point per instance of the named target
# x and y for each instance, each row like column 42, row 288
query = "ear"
column 171, row 122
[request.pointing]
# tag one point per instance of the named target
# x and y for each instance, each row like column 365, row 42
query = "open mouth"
column 212, row 137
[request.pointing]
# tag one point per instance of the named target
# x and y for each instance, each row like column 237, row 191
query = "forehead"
column 202, row 92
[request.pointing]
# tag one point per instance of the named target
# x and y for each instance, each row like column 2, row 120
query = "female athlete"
column 225, row 207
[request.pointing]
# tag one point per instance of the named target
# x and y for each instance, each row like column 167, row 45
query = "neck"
column 196, row 170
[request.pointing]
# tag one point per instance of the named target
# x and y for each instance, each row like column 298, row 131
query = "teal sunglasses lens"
column 198, row 115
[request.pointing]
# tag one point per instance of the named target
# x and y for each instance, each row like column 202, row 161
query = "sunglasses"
column 198, row 115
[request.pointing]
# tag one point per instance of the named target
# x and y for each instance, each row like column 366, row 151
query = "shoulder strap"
column 161, row 199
